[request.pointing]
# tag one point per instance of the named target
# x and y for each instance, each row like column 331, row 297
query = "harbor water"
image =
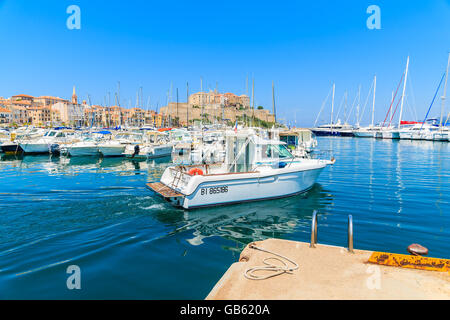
column 129, row 244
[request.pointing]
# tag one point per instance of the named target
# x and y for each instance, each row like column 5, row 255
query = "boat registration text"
column 214, row 190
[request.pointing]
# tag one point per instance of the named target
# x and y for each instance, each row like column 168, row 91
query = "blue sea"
column 129, row 244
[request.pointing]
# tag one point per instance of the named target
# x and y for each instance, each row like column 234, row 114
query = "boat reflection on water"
column 247, row 222
column 68, row 166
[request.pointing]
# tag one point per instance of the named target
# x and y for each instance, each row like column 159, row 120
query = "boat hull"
column 364, row 134
column 159, row 152
column 11, row 148
column 346, row 133
column 112, row 151
column 83, row 152
column 390, row 135
column 248, row 187
column 35, row 148
column 441, row 136
column 326, row 133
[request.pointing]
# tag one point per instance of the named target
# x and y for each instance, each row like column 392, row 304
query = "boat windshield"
column 290, row 140
column 274, row 150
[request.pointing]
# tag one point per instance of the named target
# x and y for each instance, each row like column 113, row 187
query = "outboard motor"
column 136, row 150
column 54, row 149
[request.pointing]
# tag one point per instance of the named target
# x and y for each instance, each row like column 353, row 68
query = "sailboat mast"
column 273, row 102
column 345, row 106
column 358, row 106
column 332, row 106
column 187, row 104
column 177, row 117
column 373, row 103
column 118, row 93
column 403, row 94
column 444, row 94
column 201, row 92
column 253, row 101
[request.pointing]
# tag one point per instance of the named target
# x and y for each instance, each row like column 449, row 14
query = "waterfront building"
column 23, row 97
column 40, row 115
column 180, row 113
column 48, row 101
column 214, row 98
column 5, row 115
column 68, row 113
column 19, row 114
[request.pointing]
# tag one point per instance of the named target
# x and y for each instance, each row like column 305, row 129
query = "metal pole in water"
column 314, row 230
column 350, row 233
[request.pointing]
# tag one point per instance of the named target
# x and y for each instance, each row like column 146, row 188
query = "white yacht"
column 416, row 132
column 441, row 135
column 254, row 169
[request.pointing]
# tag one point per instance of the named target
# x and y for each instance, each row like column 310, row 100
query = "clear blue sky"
column 302, row 46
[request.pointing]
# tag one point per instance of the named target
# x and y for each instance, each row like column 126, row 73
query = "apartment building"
column 5, row 115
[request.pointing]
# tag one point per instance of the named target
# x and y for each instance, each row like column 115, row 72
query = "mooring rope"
column 276, row 269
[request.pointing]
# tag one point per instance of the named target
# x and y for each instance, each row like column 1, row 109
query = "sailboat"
column 330, row 129
column 426, row 130
column 370, row 131
column 392, row 132
column 443, row 134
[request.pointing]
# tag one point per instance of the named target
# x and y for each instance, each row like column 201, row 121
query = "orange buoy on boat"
column 195, row 172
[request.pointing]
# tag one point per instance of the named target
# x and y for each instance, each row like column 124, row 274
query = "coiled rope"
column 275, row 269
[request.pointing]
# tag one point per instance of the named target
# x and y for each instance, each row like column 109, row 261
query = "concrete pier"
column 326, row 273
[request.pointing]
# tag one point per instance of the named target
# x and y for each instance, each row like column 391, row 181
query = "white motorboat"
column 5, row 137
column 255, row 169
column 87, row 147
column 300, row 141
column 156, row 145
column 388, row 133
column 111, row 148
column 114, row 146
column 43, row 145
column 22, row 134
column 206, row 148
column 368, row 132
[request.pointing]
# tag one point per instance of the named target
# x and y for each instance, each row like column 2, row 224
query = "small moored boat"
column 254, row 169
